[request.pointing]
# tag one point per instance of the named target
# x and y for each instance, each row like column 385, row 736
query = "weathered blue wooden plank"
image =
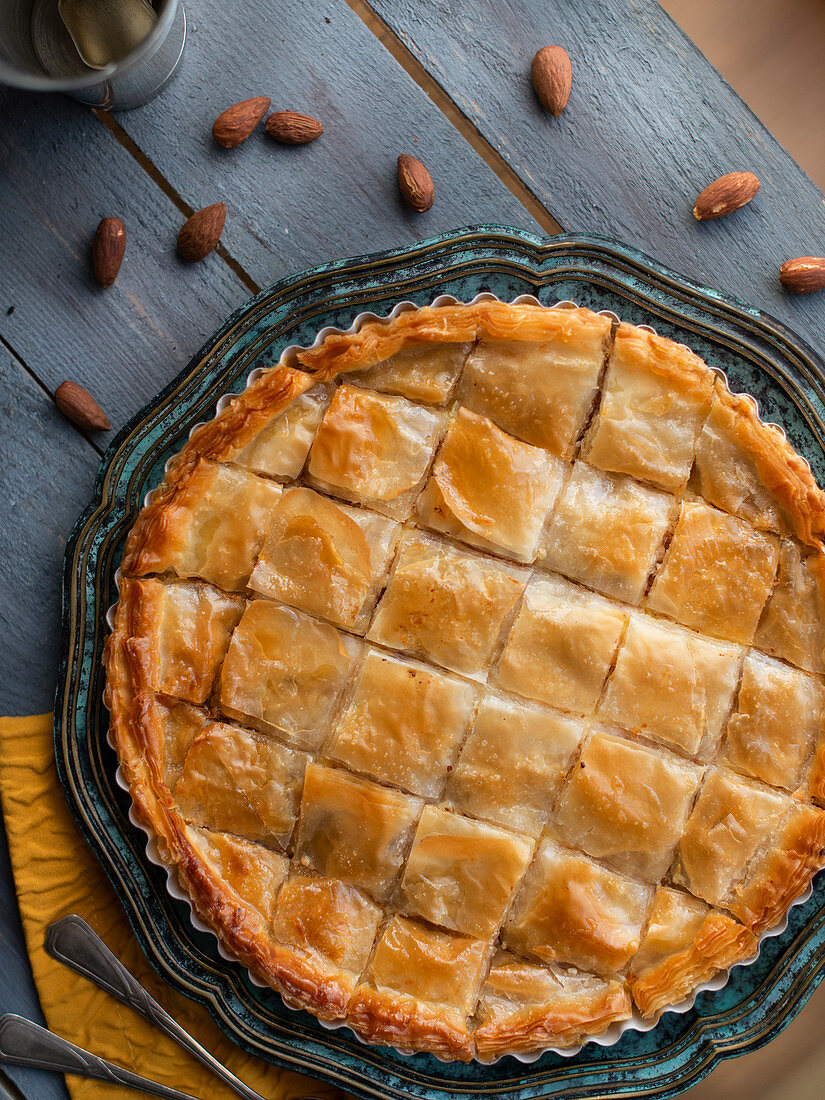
column 649, row 123
column 291, row 207
column 46, row 474
column 62, row 172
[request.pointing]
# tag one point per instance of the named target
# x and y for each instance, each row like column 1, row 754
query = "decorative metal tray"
column 758, row 355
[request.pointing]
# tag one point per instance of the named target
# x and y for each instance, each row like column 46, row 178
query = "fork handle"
column 73, row 942
column 24, row 1043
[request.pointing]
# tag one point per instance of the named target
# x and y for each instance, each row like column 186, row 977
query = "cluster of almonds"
column 237, row 122
column 552, row 76
column 202, row 231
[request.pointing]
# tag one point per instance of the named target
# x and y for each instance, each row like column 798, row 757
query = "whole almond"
column 552, row 76
column 803, row 275
column 237, row 122
column 201, row 233
column 108, row 246
column 725, row 195
column 415, row 183
column 292, row 128
column 80, row 407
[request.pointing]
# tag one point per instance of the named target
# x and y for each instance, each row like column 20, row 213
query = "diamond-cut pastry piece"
column 425, row 977
column 524, row 1007
column 445, row 604
column 779, row 715
column 374, row 449
column 403, row 724
column 329, row 929
column 732, row 818
column 570, row 909
column 627, row 804
column 783, row 870
column 213, row 527
column 540, row 392
column 170, row 726
column 236, row 781
column 354, row 830
column 461, row 873
column 793, row 622
column 490, row 489
column 423, row 372
column 685, row 944
column 717, row 574
column 672, row 685
column 253, row 873
column 607, row 532
column 726, row 473
column 561, row 646
column 178, row 634
column 655, row 398
column 285, row 670
column 513, row 762
column 280, row 448
column 324, row 556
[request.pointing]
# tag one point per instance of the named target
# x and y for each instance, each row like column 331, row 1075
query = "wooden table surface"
column 649, row 123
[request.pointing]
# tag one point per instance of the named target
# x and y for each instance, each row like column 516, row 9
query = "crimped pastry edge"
column 237, row 420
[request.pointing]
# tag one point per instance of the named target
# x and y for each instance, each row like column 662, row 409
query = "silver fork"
column 73, row 942
column 23, row 1043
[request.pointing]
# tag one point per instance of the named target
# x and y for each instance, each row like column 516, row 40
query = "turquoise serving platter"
column 758, row 354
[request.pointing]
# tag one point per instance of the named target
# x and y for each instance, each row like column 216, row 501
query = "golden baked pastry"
column 471, row 676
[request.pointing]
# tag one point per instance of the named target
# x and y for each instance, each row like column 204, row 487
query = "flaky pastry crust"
column 719, row 943
column 537, row 1029
column 780, row 469
column 140, row 671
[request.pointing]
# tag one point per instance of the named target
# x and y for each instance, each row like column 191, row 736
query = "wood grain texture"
column 63, row 172
column 291, row 207
column 46, row 475
column 648, row 125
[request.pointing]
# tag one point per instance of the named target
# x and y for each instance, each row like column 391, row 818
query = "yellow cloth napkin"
column 55, row 874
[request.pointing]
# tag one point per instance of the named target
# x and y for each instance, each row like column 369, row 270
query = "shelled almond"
column 293, row 128
column 80, row 407
column 237, row 122
column 108, row 248
column 803, row 275
column 552, row 76
column 200, row 233
column 726, row 194
column 415, row 183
